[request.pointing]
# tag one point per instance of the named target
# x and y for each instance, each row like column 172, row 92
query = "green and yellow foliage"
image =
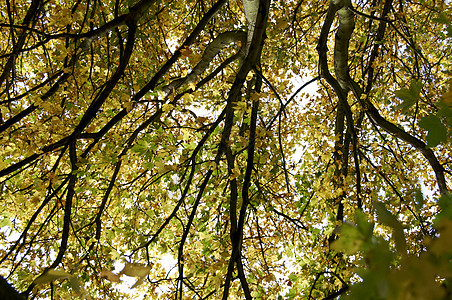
column 238, row 149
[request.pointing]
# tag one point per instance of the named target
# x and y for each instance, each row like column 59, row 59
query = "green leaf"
column 437, row 132
column 374, row 286
column 419, row 199
column 5, row 222
column 363, row 225
column 442, row 19
column 349, row 241
column 444, row 112
column 141, row 147
column 445, row 203
column 292, row 293
column 409, row 96
column 75, row 284
column 293, row 277
column 52, row 275
column 387, row 218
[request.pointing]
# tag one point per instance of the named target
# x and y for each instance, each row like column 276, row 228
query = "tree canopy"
column 243, row 149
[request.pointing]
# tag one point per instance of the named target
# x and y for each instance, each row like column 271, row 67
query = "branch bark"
column 345, row 83
column 251, row 61
column 7, row 292
column 211, row 51
column 190, row 40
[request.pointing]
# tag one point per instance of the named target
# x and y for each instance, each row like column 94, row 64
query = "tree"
column 131, row 130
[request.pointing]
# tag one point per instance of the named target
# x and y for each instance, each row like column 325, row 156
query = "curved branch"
column 373, row 113
column 211, row 51
column 368, row 107
column 134, row 14
column 190, row 40
column 375, row 116
column 342, row 40
column 67, row 206
column 340, row 86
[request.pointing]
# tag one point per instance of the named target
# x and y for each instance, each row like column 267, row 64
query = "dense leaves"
column 237, row 149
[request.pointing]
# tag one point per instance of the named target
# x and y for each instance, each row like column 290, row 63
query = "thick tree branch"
column 67, row 206
column 251, row 60
column 371, row 110
column 233, row 195
column 346, row 25
column 190, row 40
column 7, row 292
column 394, row 130
column 211, row 51
column 238, row 233
column 343, row 34
column 133, row 16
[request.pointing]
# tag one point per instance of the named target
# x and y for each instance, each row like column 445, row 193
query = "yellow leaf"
column 110, row 276
column 235, row 173
column 51, row 275
column 447, row 98
column 128, row 105
column 281, row 24
column 186, row 52
column 135, row 270
column 192, row 85
column 167, row 107
column 187, row 98
column 201, row 119
column 139, row 281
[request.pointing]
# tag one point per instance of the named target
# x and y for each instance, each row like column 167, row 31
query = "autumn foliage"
column 243, row 149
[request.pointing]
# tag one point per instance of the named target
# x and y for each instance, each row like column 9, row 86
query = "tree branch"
column 190, row 40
